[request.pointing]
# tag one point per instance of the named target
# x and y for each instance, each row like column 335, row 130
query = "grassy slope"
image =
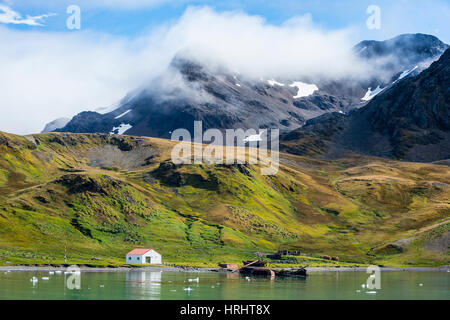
column 53, row 201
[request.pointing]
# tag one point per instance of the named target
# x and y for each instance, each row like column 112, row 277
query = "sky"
column 51, row 71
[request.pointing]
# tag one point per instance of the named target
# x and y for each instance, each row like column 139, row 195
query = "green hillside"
column 94, row 197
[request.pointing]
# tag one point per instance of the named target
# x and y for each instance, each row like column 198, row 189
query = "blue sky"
column 131, row 18
column 49, row 71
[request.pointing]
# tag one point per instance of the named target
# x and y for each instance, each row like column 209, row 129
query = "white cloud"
column 50, row 75
column 47, row 75
column 9, row 16
column 251, row 46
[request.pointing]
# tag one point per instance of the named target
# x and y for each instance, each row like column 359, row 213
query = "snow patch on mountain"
column 273, row 83
column 370, row 94
column 304, row 89
column 123, row 114
column 405, row 74
column 254, row 137
column 121, row 129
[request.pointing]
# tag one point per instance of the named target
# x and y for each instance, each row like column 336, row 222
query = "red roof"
column 139, row 252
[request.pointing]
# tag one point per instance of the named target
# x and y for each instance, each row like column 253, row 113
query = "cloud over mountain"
column 47, row 75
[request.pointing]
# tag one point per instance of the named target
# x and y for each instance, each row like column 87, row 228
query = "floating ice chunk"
column 304, row 89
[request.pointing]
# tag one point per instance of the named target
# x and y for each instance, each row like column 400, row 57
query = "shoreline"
column 213, row 270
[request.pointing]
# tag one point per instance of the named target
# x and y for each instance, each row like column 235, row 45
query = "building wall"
column 156, row 257
column 136, row 259
column 141, row 259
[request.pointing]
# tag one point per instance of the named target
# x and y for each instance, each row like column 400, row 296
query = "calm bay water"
column 174, row 285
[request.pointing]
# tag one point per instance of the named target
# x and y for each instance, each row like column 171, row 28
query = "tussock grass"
column 59, row 198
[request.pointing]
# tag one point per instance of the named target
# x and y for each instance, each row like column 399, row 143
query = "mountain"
column 56, row 124
column 190, row 91
column 93, row 197
column 393, row 60
column 409, row 121
column 403, row 51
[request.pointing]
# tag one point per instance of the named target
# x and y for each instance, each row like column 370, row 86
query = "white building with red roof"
column 143, row 256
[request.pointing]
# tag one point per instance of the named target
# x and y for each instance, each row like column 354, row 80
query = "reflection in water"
column 171, row 285
column 234, row 275
column 142, row 284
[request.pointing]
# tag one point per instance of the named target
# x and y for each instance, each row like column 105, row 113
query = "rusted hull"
column 228, row 266
column 271, row 273
column 258, row 272
column 255, row 263
column 291, row 273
